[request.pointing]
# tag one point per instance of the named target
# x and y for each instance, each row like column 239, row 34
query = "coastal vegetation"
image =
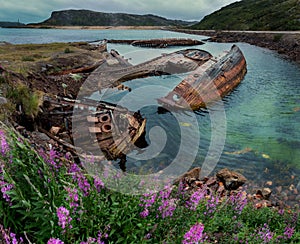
column 48, row 198
column 25, row 58
column 262, row 15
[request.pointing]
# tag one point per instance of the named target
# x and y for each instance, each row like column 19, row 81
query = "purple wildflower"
column 54, row 159
column 81, row 180
column 98, row 183
column 145, row 213
column 63, row 217
column 73, row 169
column 9, row 237
column 5, row 187
column 106, row 172
column 54, row 241
column 281, row 211
column 180, row 190
column 211, row 204
column 288, row 232
column 165, row 193
column 13, row 238
column 167, row 207
column 4, row 147
column 195, row 234
column 195, row 198
column 90, row 240
column 148, row 199
column 265, row 234
column 238, row 201
column 72, row 197
column 83, row 184
column 99, row 241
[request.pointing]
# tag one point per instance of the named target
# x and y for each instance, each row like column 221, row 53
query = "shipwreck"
column 108, row 131
column 208, row 83
column 101, row 129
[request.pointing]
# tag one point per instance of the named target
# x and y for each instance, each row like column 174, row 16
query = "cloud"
column 39, row 10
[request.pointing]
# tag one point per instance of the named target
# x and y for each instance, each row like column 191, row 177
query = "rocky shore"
column 285, row 43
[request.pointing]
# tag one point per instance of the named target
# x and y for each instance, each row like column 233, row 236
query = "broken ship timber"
column 209, row 82
column 93, row 126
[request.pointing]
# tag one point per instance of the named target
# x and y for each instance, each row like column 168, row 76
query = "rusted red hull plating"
column 208, row 83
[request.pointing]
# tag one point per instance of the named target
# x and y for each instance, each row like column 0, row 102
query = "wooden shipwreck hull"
column 209, row 82
column 173, row 63
column 159, row 43
column 93, row 126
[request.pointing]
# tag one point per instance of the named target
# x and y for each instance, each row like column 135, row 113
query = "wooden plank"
column 93, row 130
column 92, row 119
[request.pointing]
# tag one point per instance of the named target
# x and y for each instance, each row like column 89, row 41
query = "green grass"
column 254, row 15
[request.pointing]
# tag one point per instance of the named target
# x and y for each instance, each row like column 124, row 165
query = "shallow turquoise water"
column 262, row 113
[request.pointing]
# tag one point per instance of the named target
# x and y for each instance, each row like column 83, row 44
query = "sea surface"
column 255, row 129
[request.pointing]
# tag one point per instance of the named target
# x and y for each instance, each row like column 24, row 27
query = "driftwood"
column 67, row 145
column 208, row 83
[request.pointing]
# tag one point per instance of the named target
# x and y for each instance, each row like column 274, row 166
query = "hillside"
column 91, row 18
column 254, row 15
column 10, row 24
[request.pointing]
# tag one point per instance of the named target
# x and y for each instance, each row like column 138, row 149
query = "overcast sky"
column 29, row 11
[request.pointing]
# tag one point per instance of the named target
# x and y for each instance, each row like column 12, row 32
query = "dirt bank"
column 285, row 43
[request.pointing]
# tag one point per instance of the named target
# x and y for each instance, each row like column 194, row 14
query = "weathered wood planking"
column 159, row 43
column 173, row 63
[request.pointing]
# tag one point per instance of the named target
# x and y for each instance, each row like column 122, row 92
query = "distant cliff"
column 254, row 15
column 91, row 18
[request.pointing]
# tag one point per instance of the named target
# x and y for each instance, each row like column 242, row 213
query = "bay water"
column 261, row 116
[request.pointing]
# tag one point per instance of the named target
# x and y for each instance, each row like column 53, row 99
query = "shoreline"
column 129, row 27
column 285, row 43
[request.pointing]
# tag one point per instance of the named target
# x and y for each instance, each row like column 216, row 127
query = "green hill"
column 254, row 15
column 91, row 18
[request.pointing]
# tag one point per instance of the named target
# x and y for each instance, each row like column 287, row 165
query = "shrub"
column 29, row 100
column 27, row 58
column 67, row 50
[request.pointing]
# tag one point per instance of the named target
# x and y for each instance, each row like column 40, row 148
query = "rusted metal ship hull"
column 208, row 83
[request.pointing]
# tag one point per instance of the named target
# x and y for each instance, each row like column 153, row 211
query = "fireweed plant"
column 48, row 198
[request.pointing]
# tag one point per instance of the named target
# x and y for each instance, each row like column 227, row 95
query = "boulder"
column 3, row 100
column 192, row 174
column 232, row 180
